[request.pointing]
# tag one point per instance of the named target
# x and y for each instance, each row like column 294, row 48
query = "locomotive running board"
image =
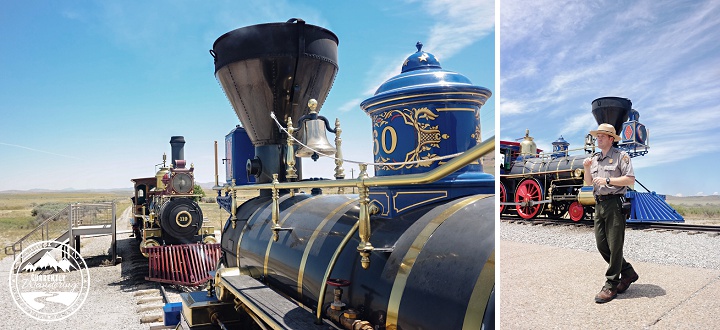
column 271, row 307
column 186, row 264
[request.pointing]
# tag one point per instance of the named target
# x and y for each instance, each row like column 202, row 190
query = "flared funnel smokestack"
column 611, row 110
column 275, row 67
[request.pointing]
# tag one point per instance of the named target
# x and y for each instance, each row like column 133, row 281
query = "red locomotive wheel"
column 576, row 211
column 503, row 197
column 528, row 191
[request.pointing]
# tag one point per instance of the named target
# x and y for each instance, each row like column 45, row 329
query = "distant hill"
column 692, row 200
column 208, row 185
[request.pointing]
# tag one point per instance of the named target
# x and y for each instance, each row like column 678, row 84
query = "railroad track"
column 683, row 227
column 679, row 227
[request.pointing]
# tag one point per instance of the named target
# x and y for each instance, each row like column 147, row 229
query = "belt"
column 601, row 198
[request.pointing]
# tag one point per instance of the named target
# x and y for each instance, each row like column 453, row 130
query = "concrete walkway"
column 546, row 287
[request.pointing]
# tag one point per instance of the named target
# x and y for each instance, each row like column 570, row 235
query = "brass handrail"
column 438, row 173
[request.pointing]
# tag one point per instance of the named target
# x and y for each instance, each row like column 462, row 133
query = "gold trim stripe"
column 411, row 255
column 445, row 94
column 480, row 295
column 456, row 109
column 444, row 192
column 288, row 212
column 377, row 111
column 311, row 241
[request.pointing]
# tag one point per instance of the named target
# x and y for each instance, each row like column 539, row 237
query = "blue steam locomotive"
column 417, row 240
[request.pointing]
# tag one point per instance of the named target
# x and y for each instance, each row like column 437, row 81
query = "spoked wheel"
column 528, row 195
column 576, row 211
column 559, row 210
column 503, row 197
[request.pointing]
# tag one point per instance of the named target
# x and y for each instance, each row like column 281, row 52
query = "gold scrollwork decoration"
column 428, row 136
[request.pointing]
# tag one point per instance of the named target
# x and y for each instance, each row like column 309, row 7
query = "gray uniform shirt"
column 613, row 165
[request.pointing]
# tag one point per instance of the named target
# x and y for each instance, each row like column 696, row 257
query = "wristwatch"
column 607, row 180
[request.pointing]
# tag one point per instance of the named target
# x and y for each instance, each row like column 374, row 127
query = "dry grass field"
column 697, row 209
column 16, row 208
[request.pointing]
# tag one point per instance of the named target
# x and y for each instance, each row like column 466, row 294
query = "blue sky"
column 91, row 91
column 558, row 56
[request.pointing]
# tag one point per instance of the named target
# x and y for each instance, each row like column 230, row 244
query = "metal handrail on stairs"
column 44, row 232
column 73, row 220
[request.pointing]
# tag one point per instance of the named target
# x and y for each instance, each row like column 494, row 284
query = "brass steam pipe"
column 328, row 271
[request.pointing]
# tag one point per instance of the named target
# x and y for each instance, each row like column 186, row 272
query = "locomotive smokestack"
column 274, row 67
column 177, row 143
column 611, row 110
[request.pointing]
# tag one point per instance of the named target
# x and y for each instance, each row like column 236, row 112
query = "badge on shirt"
column 626, row 158
column 610, row 161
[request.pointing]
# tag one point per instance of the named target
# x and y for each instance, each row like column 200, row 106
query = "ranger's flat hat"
column 606, row 129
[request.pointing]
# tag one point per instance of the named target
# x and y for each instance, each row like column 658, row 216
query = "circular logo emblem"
column 49, row 281
column 183, row 219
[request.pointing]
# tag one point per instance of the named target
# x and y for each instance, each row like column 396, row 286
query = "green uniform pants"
column 610, row 237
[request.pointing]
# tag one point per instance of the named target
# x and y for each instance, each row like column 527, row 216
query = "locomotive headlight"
column 182, row 183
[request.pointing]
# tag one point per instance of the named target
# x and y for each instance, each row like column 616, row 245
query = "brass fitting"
column 290, row 171
column 365, row 248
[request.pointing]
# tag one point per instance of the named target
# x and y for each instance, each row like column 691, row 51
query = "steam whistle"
column 313, row 128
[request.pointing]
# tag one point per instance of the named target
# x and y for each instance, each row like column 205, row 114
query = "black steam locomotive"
column 552, row 183
column 533, row 183
column 164, row 207
column 413, row 249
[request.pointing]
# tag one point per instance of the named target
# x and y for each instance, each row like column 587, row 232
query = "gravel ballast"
column 660, row 247
column 111, row 302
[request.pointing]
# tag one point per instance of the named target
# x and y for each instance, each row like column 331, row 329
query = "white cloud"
column 38, row 150
column 349, row 105
column 454, row 26
column 512, row 107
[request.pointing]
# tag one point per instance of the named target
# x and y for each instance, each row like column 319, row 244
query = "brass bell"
column 315, row 137
column 313, row 128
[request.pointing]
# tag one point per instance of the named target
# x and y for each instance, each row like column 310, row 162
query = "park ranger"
column 610, row 172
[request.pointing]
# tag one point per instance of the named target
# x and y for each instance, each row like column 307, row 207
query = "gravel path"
column 665, row 248
column 119, row 297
